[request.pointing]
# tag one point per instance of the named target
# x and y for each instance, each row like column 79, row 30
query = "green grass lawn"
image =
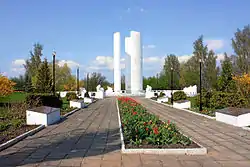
column 14, row 97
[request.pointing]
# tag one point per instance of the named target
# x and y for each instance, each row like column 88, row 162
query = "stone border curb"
column 69, row 113
column 203, row 115
column 246, row 128
column 20, row 137
column 73, row 111
column 177, row 151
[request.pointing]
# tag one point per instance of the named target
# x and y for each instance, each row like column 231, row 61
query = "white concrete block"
column 87, row 100
column 42, row 116
column 77, row 103
column 236, row 120
column 162, row 99
column 182, row 104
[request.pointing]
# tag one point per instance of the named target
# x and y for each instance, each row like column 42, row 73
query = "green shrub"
column 179, row 95
column 35, row 100
column 161, row 94
column 221, row 100
column 71, row 96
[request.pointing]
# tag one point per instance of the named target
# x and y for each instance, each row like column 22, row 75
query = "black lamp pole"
column 87, row 82
column 200, row 88
column 172, row 98
column 54, row 75
column 157, row 80
column 77, row 81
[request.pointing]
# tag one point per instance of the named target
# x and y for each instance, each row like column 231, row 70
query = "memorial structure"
column 133, row 50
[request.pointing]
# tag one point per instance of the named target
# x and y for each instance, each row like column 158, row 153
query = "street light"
column 172, row 98
column 77, row 81
column 200, row 87
column 87, row 82
column 53, row 73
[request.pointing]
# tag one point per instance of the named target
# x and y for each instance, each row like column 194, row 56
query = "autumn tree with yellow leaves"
column 243, row 84
column 6, row 86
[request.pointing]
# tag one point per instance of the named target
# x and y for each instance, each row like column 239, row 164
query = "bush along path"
column 144, row 130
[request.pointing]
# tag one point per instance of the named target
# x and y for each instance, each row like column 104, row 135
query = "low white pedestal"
column 182, row 104
column 77, row 103
column 42, row 116
column 150, row 94
column 162, row 100
column 240, row 119
column 87, row 100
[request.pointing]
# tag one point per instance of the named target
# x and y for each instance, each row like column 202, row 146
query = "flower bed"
column 144, row 130
column 205, row 111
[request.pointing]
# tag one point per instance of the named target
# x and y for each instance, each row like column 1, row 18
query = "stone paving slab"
column 90, row 137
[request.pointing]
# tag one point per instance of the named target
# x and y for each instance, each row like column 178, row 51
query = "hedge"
column 35, row 100
column 71, row 96
column 219, row 100
column 179, row 95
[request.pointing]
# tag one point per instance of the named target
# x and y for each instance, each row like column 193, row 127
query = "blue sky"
column 81, row 31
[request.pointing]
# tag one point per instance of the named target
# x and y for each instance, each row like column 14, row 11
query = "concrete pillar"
column 117, row 56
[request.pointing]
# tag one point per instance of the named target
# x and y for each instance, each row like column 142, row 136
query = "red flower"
column 168, row 122
column 134, row 113
column 122, row 125
column 146, row 129
column 145, row 123
column 156, row 130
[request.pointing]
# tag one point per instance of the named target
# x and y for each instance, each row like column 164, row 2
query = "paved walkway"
column 90, row 137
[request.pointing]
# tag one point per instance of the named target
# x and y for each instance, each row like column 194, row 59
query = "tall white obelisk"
column 117, row 56
column 135, row 51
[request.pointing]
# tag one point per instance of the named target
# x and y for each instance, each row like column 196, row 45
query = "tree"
column 123, row 82
column 210, row 71
column 96, row 79
column 6, row 86
column 191, row 69
column 62, row 74
column 70, row 84
column 33, row 64
column 20, row 82
column 241, row 46
column 243, row 85
column 225, row 81
column 28, row 87
column 44, row 79
column 171, row 61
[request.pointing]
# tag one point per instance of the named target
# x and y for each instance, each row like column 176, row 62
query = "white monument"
column 117, row 56
column 133, row 49
column 99, row 92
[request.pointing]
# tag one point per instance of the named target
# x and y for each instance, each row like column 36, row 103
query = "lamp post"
column 87, row 82
column 53, row 73
column 77, row 81
column 200, row 87
column 172, row 98
column 157, row 80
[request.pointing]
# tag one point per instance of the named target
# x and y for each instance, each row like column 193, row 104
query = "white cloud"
column 153, row 59
column 142, row 10
column 214, row 44
column 184, row 58
column 17, row 67
column 70, row 63
column 3, row 73
column 148, row 46
column 104, row 63
column 220, row 57
column 18, row 62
